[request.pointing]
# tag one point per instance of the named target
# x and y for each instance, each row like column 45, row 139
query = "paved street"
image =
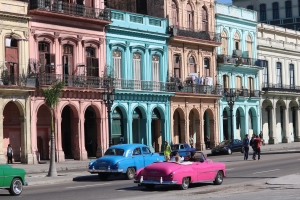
column 243, row 177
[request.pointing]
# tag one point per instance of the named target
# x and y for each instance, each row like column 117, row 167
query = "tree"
column 52, row 95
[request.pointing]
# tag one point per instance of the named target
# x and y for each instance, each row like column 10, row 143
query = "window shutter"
column 96, row 67
column 52, row 63
column 43, row 62
column 70, row 64
column 89, row 64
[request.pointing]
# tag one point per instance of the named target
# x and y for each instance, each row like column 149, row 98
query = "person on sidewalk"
column 167, row 151
column 191, row 140
column 246, row 144
column 257, row 144
column 207, row 142
column 9, row 154
column 252, row 145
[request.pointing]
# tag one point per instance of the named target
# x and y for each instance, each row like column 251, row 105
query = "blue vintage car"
column 183, row 149
column 123, row 159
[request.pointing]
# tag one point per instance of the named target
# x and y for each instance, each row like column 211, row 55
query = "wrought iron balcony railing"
column 198, row 89
column 70, row 9
column 12, row 80
column 231, row 60
column 143, row 85
column 241, row 92
column 280, row 87
column 192, row 33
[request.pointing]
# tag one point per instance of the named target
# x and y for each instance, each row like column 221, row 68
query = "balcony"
column 278, row 87
column 197, row 34
column 198, row 89
column 60, row 7
column 128, row 84
column 240, row 92
column 8, row 80
column 238, row 61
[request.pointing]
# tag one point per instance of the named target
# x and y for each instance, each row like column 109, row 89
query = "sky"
column 224, row 1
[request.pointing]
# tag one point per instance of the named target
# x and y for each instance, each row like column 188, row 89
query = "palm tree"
column 52, row 95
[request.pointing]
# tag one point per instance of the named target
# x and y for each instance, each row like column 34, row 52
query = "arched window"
column 189, row 17
column 174, row 14
column 192, row 65
column 177, row 65
column 263, row 12
column 239, row 83
column 224, row 45
column 288, row 9
column 155, row 68
column 204, row 19
column 275, row 8
column 92, row 65
column 249, row 46
column 236, row 41
column 265, row 72
column 137, row 70
column 250, row 120
column 251, row 84
column 117, row 64
column 47, row 60
column 292, row 74
column 67, row 59
column 226, row 82
column 206, row 67
column 11, row 56
column 278, row 75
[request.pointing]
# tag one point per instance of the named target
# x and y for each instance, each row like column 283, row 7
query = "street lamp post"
column 108, row 98
column 230, row 98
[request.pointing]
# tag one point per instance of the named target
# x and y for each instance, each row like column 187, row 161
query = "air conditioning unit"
column 237, row 53
column 245, row 54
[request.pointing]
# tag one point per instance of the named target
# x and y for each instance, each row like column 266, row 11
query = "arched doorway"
column 239, row 126
column 194, row 130
column 266, row 114
column 156, row 129
column 43, row 126
column 293, row 117
column 90, row 132
column 117, row 128
column 68, row 132
column 226, row 125
column 12, row 130
column 138, row 127
column 178, row 127
column 209, row 129
column 252, row 122
column 280, row 112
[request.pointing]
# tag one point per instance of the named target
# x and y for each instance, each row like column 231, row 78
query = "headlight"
column 171, row 175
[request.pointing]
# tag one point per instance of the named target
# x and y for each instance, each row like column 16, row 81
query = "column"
column 148, row 125
column 202, row 145
column 100, row 151
column 167, row 122
column 129, row 124
column 60, row 155
column 29, row 156
column 198, row 135
column 221, row 132
column 297, row 135
column 286, row 131
column 2, row 156
column 273, row 139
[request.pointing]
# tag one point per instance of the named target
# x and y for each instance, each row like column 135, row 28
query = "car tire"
column 219, row 178
column 185, row 183
column 130, row 173
column 103, row 176
column 229, row 152
column 150, row 186
column 16, row 187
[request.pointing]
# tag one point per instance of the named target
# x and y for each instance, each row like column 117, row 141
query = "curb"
column 58, row 169
column 265, row 152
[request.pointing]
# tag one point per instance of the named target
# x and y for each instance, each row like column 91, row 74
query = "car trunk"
column 158, row 170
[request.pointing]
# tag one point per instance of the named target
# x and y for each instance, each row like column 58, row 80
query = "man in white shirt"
column 176, row 154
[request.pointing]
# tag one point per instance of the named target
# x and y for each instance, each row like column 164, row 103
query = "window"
column 12, row 56
column 141, row 6
column 265, row 72
column 137, row 70
column 292, row 75
column 250, row 7
column 67, row 59
column 47, row 60
column 239, row 82
column 288, row 9
column 190, row 21
column 249, row 46
column 278, row 75
column 177, row 65
column 263, row 12
column 275, row 8
column 224, row 45
column 192, row 65
column 237, row 41
column 251, row 83
column 117, row 64
column 204, row 19
column 146, row 150
column 155, row 72
column 225, row 81
column 92, row 66
column 238, row 119
column 137, row 151
column 206, row 67
column 174, row 14
column 250, row 120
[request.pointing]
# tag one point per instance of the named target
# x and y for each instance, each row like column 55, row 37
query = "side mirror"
column 201, row 160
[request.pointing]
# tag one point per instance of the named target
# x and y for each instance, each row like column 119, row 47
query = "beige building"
column 280, row 112
column 14, row 90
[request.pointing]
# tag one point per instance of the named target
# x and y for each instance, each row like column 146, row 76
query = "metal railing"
column 198, row 89
column 241, row 92
column 229, row 59
column 280, row 87
column 193, row 33
column 129, row 84
column 70, row 9
column 12, row 80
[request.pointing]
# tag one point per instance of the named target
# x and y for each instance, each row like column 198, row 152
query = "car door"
column 234, row 145
column 1, row 177
column 202, row 167
column 138, row 158
column 148, row 156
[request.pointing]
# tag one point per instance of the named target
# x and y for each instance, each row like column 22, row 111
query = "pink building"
column 67, row 43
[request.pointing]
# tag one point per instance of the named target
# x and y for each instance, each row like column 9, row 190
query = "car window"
column 146, row 150
column 114, row 152
column 199, row 156
column 181, row 146
column 175, row 147
column 137, row 151
column 186, row 146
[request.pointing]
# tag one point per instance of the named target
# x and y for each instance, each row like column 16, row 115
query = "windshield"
column 114, row 152
column 175, row 147
column 224, row 143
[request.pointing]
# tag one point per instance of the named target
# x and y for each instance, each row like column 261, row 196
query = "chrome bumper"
column 156, row 182
column 106, row 170
column 25, row 183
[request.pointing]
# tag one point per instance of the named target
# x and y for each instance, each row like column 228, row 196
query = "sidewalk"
column 293, row 179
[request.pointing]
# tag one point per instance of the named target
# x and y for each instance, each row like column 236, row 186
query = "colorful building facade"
column 14, row 89
column 238, row 71
column 137, row 53
column 67, row 43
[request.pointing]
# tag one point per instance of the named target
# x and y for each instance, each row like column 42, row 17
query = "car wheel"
column 150, row 186
column 103, row 176
column 16, row 187
column 185, row 183
column 229, row 152
column 219, row 178
column 130, row 173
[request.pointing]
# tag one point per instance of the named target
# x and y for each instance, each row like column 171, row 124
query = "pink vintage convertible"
column 182, row 174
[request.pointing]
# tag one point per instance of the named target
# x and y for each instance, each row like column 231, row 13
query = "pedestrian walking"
column 252, row 145
column 167, row 151
column 246, row 144
column 9, row 154
column 207, row 142
column 257, row 144
column 191, row 140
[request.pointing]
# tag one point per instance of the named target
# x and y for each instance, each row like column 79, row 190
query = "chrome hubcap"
column 185, row 183
column 220, row 177
column 130, row 172
column 17, row 186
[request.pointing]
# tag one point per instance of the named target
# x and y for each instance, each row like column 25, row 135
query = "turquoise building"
column 137, row 54
column 238, row 71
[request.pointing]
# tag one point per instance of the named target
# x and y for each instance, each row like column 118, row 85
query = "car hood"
column 160, row 169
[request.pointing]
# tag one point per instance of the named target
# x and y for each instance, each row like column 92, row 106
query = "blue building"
column 238, row 71
column 137, row 54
